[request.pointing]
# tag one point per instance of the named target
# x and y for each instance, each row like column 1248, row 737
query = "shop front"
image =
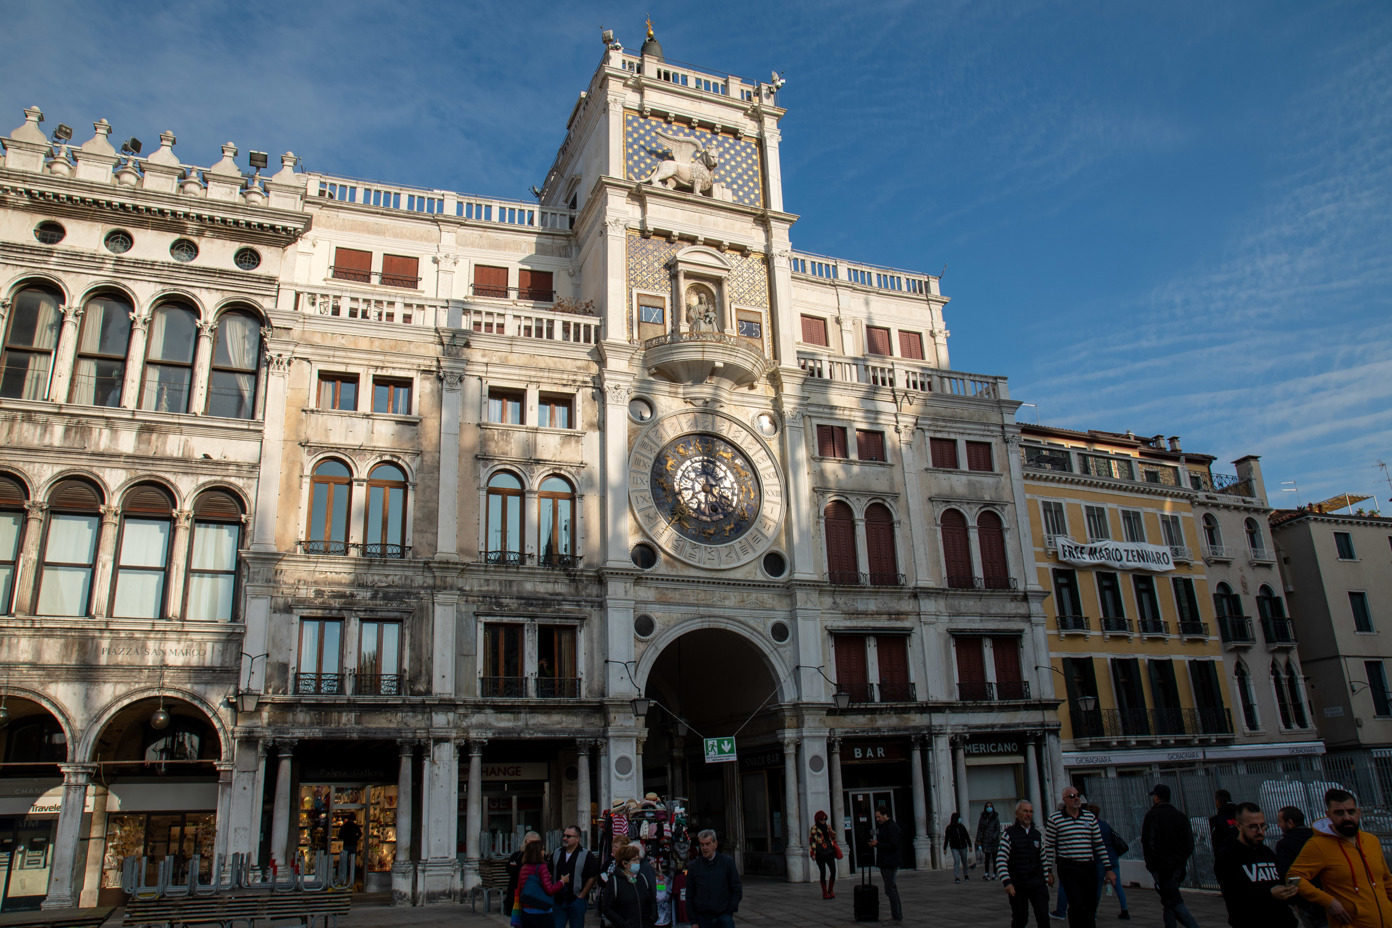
column 995, row 764
column 761, row 794
column 28, row 819
column 155, row 819
column 517, row 798
column 876, row 774
column 347, row 802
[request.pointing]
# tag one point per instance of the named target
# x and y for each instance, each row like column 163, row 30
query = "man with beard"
column 1348, row 862
column 1249, row 878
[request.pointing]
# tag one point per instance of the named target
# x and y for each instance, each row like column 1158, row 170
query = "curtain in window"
column 212, row 571
column 11, row 527
column 232, row 393
column 504, row 514
column 171, row 340
column 67, row 571
column 28, row 356
column 140, row 569
column 101, row 362
column 555, row 502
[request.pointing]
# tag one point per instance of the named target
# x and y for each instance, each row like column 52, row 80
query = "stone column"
column 403, row 870
column 28, row 567
column 474, row 815
column 90, row 884
column 1056, row 776
column 793, row 848
column 606, row 795
column 447, row 502
column 223, row 836
column 582, row 789
column 616, row 448
column 202, row 368
column 178, row 563
column 941, row 792
column 678, row 765
column 922, row 844
column 444, row 632
column 280, row 816
column 62, row 891
column 256, row 802
column 106, row 557
column 1032, row 785
column 838, row 807
column 438, row 871
column 64, row 354
column 135, row 352
column 959, row 767
column 263, row 533
column 638, row 767
column 919, row 516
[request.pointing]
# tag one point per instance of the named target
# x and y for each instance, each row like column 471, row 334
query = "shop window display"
column 326, row 809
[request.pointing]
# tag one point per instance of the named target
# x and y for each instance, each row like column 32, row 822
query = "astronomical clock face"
column 705, row 489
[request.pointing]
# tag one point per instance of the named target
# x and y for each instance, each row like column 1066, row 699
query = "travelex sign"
column 1123, row 555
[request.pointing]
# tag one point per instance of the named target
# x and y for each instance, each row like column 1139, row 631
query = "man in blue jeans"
column 582, row 867
column 886, row 843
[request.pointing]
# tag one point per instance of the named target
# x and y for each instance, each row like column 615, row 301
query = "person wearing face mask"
column 629, row 897
column 1349, row 865
column 988, row 832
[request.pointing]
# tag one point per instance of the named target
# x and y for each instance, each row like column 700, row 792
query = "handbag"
column 533, row 897
column 837, row 848
column 1120, row 846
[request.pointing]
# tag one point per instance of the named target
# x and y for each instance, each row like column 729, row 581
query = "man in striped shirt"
column 1072, row 849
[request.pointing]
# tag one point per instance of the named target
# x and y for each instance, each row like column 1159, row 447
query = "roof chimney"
column 1174, row 443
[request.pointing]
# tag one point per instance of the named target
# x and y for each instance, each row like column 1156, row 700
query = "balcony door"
column 1169, row 717
column 971, row 669
column 1130, row 696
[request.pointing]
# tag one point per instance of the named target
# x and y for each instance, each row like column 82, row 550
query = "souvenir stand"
column 660, row 826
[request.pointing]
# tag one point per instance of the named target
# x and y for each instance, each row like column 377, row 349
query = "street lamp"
column 1087, row 703
column 641, row 705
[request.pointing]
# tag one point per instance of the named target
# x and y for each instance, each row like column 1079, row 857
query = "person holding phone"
column 1248, row 876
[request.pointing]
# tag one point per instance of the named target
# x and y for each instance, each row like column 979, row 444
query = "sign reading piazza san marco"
column 1122, row 555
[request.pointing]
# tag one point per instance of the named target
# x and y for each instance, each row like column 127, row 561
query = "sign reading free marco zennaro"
column 1123, row 555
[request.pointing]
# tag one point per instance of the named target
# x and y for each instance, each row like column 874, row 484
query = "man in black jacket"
column 713, row 887
column 1168, row 842
column 1249, row 878
column 1020, row 864
column 1294, row 834
column 1222, row 825
column 886, row 843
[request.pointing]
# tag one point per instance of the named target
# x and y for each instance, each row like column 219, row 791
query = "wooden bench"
column 230, row 910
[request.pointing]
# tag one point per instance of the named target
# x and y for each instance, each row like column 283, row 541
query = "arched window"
column 331, row 488
column 212, row 577
column 842, row 561
column 556, row 520
column 1213, row 537
column 957, row 550
column 70, row 549
column 169, row 359
column 1254, row 538
column 386, row 512
column 879, row 546
column 503, row 532
column 12, row 500
column 1269, row 605
column 1283, row 705
column 30, row 340
column 1246, row 696
column 101, row 352
column 236, row 356
column 1297, row 703
column 990, row 535
column 1225, row 602
column 142, row 557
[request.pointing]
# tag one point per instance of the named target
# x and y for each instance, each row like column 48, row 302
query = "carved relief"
column 692, row 165
column 700, row 309
column 617, row 393
column 451, row 379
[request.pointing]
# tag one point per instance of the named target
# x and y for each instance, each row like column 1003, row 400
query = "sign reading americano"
column 1123, row 555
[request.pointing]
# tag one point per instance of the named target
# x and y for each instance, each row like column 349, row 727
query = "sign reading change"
column 1123, row 555
column 720, row 750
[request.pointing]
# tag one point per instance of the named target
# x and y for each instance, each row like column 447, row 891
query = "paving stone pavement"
column 929, row 897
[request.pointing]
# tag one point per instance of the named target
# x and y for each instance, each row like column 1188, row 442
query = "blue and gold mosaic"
column 747, row 284
column 737, row 169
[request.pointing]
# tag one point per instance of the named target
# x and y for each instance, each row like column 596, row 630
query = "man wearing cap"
column 1168, row 842
column 1072, row 849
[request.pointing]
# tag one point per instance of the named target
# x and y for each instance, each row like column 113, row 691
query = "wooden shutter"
column 74, row 494
column 879, row 546
column 1007, row 655
column 990, row 535
column 911, row 346
column 11, row 493
column 870, row 445
column 956, row 549
column 876, row 340
column 971, row 668
column 535, row 285
column 831, row 441
column 840, row 541
column 851, row 674
column 979, row 455
column 894, row 668
column 400, row 271
column 490, row 281
column 351, row 264
column 944, row 452
column 814, row 331
column 148, row 499
column 217, row 504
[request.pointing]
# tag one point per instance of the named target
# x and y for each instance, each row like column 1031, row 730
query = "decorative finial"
column 649, row 24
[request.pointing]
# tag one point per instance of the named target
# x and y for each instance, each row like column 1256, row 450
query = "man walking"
column 1249, row 878
column 1222, row 824
column 1072, row 848
column 886, row 844
column 1349, row 864
column 1294, row 834
column 570, row 859
column 1020, row 866
column 1168, row 842
column 713, row 887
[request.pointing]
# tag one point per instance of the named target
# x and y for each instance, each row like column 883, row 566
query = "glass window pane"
column 309, row 647
column 231, row 395
column 215, row 546
column 340, row 514
column 210, row 597
column 166, row 388
column 25, row 375
column 547, row 522
column 328, row 661
column 563, row 514
column 106, row 327
column 332, row 469
column 139, row 594
column 396, row 516
column 172, row 335
column 36, row 320
column 238, row 337
column 6, row 587
column 72, row 539
column 391, row 648
column 144, row 543
column 64, row 590
column 10, row 524
column 319, row 512
column 374, row 515
column 495, row 522
column 514, row 523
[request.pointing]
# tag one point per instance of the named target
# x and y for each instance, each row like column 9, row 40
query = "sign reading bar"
column 1123, row 555
column 720, row 750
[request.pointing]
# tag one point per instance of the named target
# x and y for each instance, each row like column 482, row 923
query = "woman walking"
column 958, row 840
column 1115, row 848
column 532, row 907
column 629, row 899
column 988, row 832
column 822, row 842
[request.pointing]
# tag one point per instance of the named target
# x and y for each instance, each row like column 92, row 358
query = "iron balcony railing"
column 999, row 583
column 1217, row 552
column 866, row 692
column 1116, row 625
column 531, row 687
column 503, row 687
column 377, row 684
column 1278, row 630
column 505, row 558
column 1154, row 627
column 528, row 294
column 557, row 687
column 319, row 684
column 1073, row 623
column 559, row 561
column 1193, row 629
column 983, row 691
column 846, row 578
column 1013, row 689
column 1235, row 629
column 1130, row 724
column 365, row 277
column 350, row 684
column 1262, row 554
column 345, row 549
column 883, row 579
column 1181, row 553
column 339, row 548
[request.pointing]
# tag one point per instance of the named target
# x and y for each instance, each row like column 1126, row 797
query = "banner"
column 1123, row 555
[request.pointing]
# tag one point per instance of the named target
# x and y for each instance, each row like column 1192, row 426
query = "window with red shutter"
column 957, row 551
column 490, row 281
column 979, row 455
column 831, row 441
column 1010, row 683
column 879, row 546
column 870, row 445
column 894, row 669
column 990, row 535
column 944, row 452
column 535, row 285
column 971, row 669
column 852, row 675
column 842, row 564
column 814, row 331
column 351, row 264
column 400, row 271
column 876, row 340
column 911, row 346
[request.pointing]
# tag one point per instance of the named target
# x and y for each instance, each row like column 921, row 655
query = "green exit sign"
column 720, row 750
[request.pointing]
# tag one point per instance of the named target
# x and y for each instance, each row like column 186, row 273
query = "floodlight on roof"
column 130, row 146
column 258, row 159
column 63, row 133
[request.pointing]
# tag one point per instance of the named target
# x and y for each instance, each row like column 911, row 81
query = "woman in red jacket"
column 525, row 914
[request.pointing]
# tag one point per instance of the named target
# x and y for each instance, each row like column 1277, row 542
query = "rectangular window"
column 979, row 456
column 750, row 325
column 1171, row 529
column 870, row 445
column 502, row 661
column 971, row 668
column 1109, row 596
column 876, row 340
column 70, row 550
column 1010, row 678
column 1066, row 599
column 554, row 412
column 320, row 655
column 400, row 271
column 556, row 676
column 1362, row 618
column 1132, row 526
column 1054, row 521
column 652, row 317
column 944, row 451
column 814, row 331
column 505, row 406
column 11, row 530
column 338, row 391
column 831, row 441
column 354, row 265
column 391, row 396
column 911, row 346
column 1186, row 601
column 1343, row 541
column 535, row 286
column 852, row 675
column 1377, row 685
column 893, row 655
column 140, row 569
column 1097, row 523
column 490, row 281
column 379, row 659
column 213, row 571
column 1147, row 604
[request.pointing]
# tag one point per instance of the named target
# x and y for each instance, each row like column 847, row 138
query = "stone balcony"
column 696, row 357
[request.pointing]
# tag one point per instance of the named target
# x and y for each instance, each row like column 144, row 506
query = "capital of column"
column 109, row 514
column 453, row 380
column 77, row 774
column 224, row 769
column 834, row 745
column 71, row 314
column 476, row 746
column 407, row 746
column 278, row 362
column 584, row 746
column 957, row 741
column 790, row 745
column 918, row 741
column 182, row 517
column 35, row 509
column 286, row 747
column 207, row 329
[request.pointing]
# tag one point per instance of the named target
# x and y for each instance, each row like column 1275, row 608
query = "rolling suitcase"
column 866, row 899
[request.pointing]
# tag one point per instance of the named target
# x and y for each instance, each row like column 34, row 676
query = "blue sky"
column 1169, row 217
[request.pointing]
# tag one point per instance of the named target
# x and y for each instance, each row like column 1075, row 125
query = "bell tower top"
column 651, row 47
